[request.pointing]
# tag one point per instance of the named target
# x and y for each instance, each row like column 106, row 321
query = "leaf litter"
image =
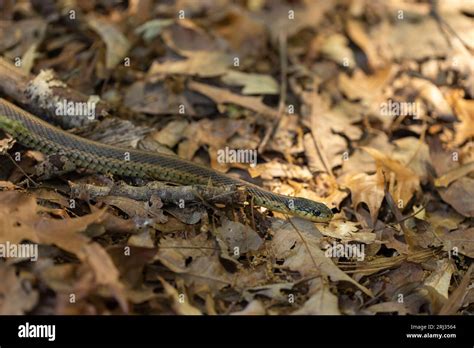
column 372, row 114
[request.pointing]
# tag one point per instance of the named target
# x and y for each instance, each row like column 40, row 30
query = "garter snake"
column 35, row 133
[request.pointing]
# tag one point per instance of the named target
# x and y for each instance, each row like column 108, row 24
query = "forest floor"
column 366, row 106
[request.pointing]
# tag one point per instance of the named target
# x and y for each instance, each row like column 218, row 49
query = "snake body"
column 35, row 133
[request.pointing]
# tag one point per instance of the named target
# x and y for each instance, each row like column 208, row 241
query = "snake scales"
column 35, row 133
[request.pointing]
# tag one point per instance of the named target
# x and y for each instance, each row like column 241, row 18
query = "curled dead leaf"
column 403, row 182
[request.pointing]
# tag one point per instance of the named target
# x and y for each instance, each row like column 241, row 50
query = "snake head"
column 10, row 126
column 311, row 210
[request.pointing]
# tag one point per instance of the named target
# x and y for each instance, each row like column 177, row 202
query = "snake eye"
column 317, row 212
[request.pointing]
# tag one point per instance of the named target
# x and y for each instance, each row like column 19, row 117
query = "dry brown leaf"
column 382, row 263
column 338, row 141
column 215, row 134
column 17, row 295
column 395, row 280
column 105, row 272
column 238, row 152
column 432, row 96
column 440, row 278
column 62, row 278
column 452, row 175
column 321, row 302
column 143, row 239
column 195, row 259
column 223, row 96
column 357, row 34
column 117, row 44
column 462, row 240
column 21, row 219
column 414, row 154
column 464, row 110
column 134, row 208
column 157, row 99
column 276, row 291
column 252, row 278
column 404, row 183
column 6, row 144
column 139, row 10
column 52, row 196
column 19, row 35
column 368, row 189
column 239, row 238
column 179, row 303
column 459, row 195
column 396, row 40
column 360, row 161
column 130, row 262
column 153, row 28
column 252, row 83
column 346, row 231
column 186, row 37
column 336, row 48
column 29, row 58
column 326, row 148
column 369, row 91
column 172, row 133
column 442, row 220
column 306, row 14
column 442, row 161
column 198, row 63
column 274, row 169
column 456, row 299
column 288, row 245
column 173, row 252
column 244, row 34
column 189, row 215
column 390, row 240
column 367, row 88
column 7, row 185
column 17, row 217
column 287, row 138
